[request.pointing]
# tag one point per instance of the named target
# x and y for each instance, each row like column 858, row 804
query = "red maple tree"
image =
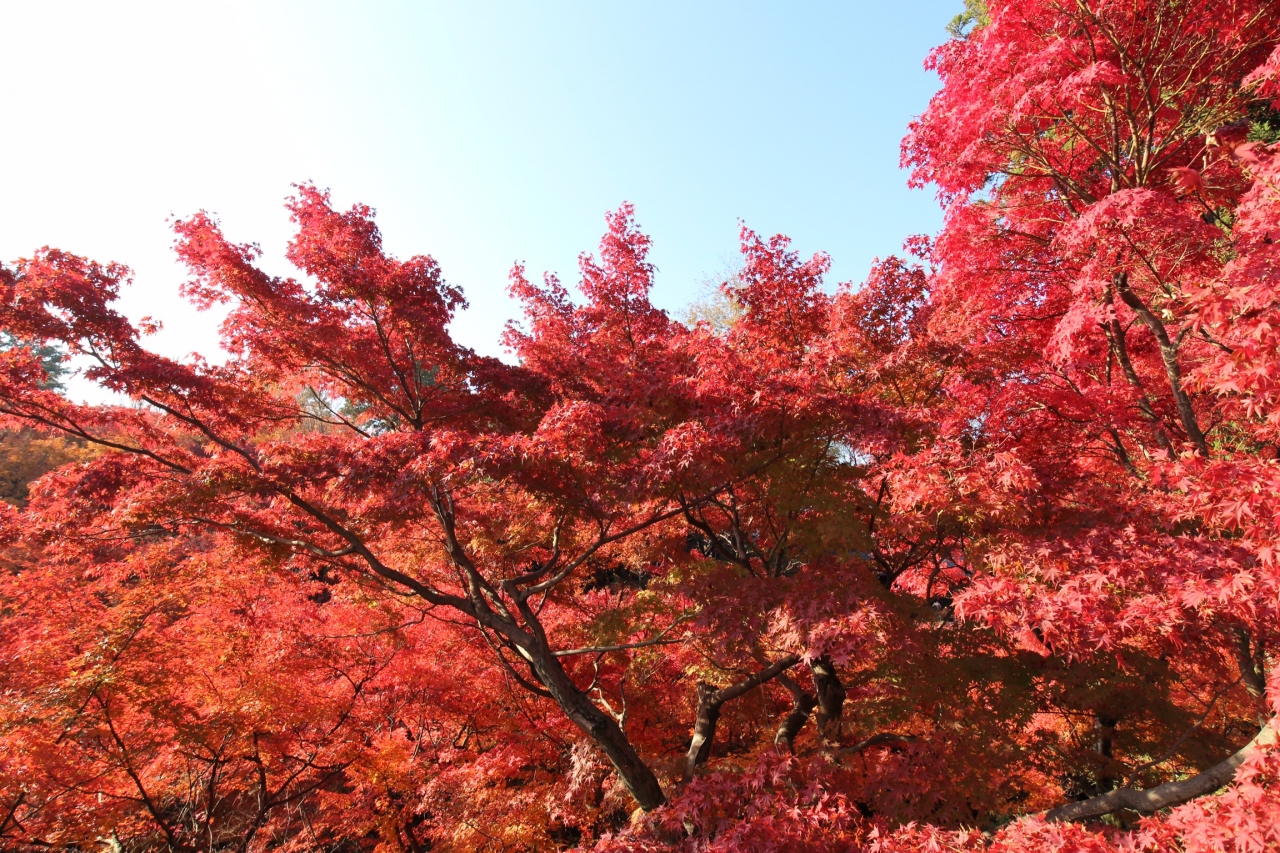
column 1001, row 521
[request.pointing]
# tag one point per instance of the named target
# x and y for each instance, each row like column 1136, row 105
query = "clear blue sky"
column 483, row 133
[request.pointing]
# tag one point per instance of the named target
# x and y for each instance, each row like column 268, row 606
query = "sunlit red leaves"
column 973, row 490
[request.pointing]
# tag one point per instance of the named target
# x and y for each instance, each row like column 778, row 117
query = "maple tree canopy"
column 980, row 554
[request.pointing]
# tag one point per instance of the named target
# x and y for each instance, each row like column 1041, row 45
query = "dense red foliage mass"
column 979, row 555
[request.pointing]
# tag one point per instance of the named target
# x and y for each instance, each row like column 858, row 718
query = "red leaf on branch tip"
column 1187, row 179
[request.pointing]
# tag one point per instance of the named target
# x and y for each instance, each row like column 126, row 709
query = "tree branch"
column 654, row 641
column 709, row 702
column 1167, row 795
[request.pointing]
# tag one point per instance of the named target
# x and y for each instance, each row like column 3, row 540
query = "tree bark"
column 1104, row 730
column 1167, row 795
column 602, row 729
column 802, row 706
column 704, row 727
column 882, row 739
column 1251, row 658
column 1116, row 337
column 710, row 701
column 830, row 696
column 1169, row 355
column 531, row 643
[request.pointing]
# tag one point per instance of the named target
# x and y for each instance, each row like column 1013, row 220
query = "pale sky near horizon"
column 483, row 133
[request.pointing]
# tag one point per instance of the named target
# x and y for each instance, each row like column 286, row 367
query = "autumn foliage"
column 980, row 554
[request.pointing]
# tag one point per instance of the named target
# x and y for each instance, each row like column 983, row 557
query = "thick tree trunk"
column 704, row 727
column 830, row 697
column 603, row 730
column 1251, row 658
column 802, row 706
column 531, row 643
column 1104, row 730
column 710, row 700
column 1167, row 795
